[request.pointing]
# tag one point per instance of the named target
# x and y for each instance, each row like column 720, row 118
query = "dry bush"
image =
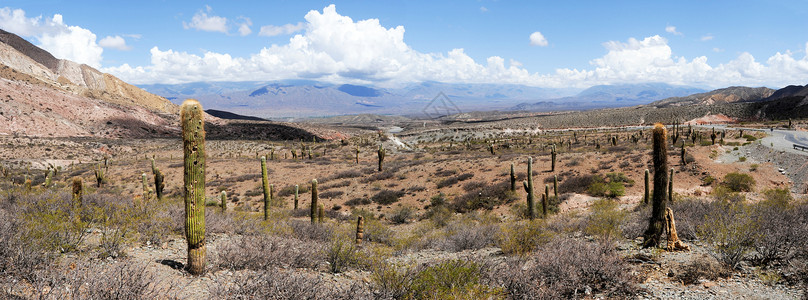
column 284, row 284
column 386, row 197
column 605, row 220
column 305, row 230
column 522, row 237
column 401, row 215
column 729, row 232
column 566, row 268
column 263, row 252
column 702, row 268
column 783, row 229
column 576, row 184
column 331, row 194
column 469, row 232
column 450, row 279
column 483, row 195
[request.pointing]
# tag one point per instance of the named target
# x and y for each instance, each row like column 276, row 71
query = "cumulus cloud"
column 63, row 41
column 272, row 30
column 708, row 37
column 244, row 27
column 114, row 42
column 537, row 39
column 672, row 29
column 483, row 9
column 335, row 48
column 202, row 21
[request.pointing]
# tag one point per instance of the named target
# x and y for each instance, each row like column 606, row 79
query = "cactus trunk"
column 656, row 224
column 77, row 191
column 223, row 198
column 513, row 179
column 545, row 200
column 265, row 185
column 297, row 191
column 320, row 213
column 528, row 184
column 360, row 229
column 193, row 138
column 555, row 186
column 670, row 186
column 313, row 200
column 381, row 157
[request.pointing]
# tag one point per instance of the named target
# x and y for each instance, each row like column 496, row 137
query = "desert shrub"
column 377, row 232
column 564, row 268
column 753, row 167
column 483, row 195
column 707, row 180
column 605, row 219
column 401, row 215
column 383, row 175
column 19, row 258
column 262, row 252
column 782, row 230
column 115, row 217
column 416, row 188
column 451, row 279
column 723, row 193
column 339, row 184
column 357, row 201
column 469, row 232
column 749, row 138
column 600, row 187
column 286, row 284
column 330, row 194
column 522, row 237
column 742, row 159
column 738, row 182
column 289, row 190
column 702, row 268
column 52, row 222
column 576, row 184
column 306, row 231
column 690, row 214
column 454, row 179
column 386, row 197
column 445, row 172
column 729, row 232
column 347, row 174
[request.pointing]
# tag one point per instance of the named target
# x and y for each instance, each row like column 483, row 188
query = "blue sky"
column 388, row 43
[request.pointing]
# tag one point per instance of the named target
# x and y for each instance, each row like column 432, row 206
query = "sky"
column 553, row 44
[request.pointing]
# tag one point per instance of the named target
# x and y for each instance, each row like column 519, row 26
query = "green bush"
column 729, row 232
column 522, row 237
column 749, row 138
column 401, row 215
column 451, row 279
column 601, row 188
column 605, row 219
column 387, row 197
column 738, row 182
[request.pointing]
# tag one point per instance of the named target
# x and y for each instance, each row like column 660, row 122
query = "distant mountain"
column 304, row 98
column 606, row 96
column 46, row 96
column 789, row 91
column 726, row 95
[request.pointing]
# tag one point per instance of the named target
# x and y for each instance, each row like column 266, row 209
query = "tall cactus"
column 555, row 186
column 357, row 155
column 647, row 196
column 77, row 191
column 513, row 179
column 146, row 190
column 297, row 191
column 99, row 176
column 193, row 138
column 684, row 155
column 360, row 229
column 313, row 200
column 223, row 198
column 48, row 179
column 553, row 157
column 159, row 185
column 265, row 185
column 528, row 185
column 320, row 213
column 380, row 153
column 656, row 224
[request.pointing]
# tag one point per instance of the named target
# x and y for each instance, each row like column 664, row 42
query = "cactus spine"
column 313, row 200
column 297, row 191
column 545, row 200
column 360, row 229
column 223, row 198
column 647, row 197
column 656, row 224
column 381, row 153
column 193, row 138
column 265, row 185
column 670, row 186
column 513, row 179
column 77, row 191
column 528, row 185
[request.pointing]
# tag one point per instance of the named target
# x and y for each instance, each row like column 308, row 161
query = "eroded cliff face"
column 41, row 95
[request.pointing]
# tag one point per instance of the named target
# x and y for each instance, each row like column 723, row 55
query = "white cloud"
column 672, row 29
column 708, row 37
column 114, row 42
column 201, row 21
column 244, row 27
column 337, row 49
column 63, row 41
column 483, row 9
column 272, row 30
column 537, row 39
column 716, row 49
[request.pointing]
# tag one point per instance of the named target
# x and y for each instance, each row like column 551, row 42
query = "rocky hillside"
column 41, row 95
column 720, row 96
